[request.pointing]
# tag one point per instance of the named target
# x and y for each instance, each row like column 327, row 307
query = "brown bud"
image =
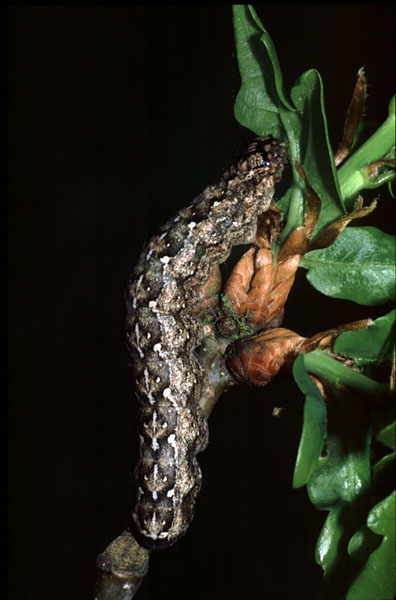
column 258, row 359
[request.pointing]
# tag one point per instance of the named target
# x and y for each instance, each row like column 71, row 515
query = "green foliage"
column 346, row 455
column 359, row 266
column 314, row 429
column 335, row 460
column 374, row 345
column 263, row 107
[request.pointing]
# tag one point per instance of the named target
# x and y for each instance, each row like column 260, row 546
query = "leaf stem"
column 321, row 364
column 351, row 175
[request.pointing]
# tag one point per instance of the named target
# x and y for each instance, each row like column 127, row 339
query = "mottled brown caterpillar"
column 163, row 335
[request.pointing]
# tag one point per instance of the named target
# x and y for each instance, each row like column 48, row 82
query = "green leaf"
column 315, row 149
column 340, row 485
column 365, row 541
column 377, row 578
column 362, row 544
column 256, row 104
column 359, row 266
column 314, row 426
column 383, row 477
column 309, row 143
column 373, row 345
column 262, row 105
column 387, row 435
column 272, row 55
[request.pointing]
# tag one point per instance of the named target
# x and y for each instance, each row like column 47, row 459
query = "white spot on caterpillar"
column 139, row 281
column 165, row 260
column 147, row 384
column 155, row 473
column 155, row 421
column 157, row 348
column 167, row 393
column 146, row 379
column 154, row 520
column 171, row 493
column 164, row 534
column 154, row 495
column 152, row 304
column 191, row 225
column 172, row 440
column 154, row 444
column 137, row 333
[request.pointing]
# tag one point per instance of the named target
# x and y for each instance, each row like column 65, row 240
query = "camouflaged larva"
column 163, row 335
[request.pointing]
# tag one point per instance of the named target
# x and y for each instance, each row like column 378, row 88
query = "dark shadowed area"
column 117, row 117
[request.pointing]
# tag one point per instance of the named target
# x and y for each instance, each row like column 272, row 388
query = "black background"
column 117, row 117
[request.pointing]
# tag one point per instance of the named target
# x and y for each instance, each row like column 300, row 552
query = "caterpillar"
column 164, row 334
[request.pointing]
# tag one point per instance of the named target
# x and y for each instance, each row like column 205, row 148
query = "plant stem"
column 321, row 364
column 351, row 177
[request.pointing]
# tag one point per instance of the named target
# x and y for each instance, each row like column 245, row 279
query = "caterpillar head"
column 263, row 157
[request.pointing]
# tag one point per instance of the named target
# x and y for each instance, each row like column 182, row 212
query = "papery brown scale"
column 239, row 280
column 251, row 279
column 354, row 117
column 334, row 230
column 258, row 359
column 250, row 282
column 281, row 285
column 256, row 299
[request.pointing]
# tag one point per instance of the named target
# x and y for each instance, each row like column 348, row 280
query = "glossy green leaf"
column 359, row 266
column 265, row 39
column 373, row 345
column 262, row 105
column 314, row 426
column 383, row 477
column 309, row 143
column 387, row 435
column 385, row 464
column 340, row 485
column 256, row 105
column 377, row 578
column 363, row 543
column 315, row 149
